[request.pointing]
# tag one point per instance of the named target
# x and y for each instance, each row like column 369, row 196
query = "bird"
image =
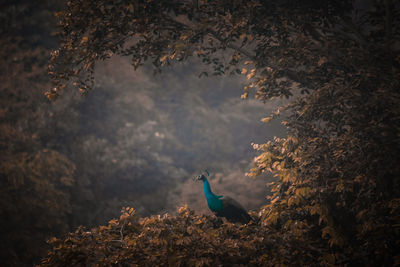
column 223, row 206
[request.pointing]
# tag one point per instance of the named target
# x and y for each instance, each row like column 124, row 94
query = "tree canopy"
column 337, row 187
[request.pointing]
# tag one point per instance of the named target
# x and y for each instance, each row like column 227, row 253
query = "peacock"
column 223, row 206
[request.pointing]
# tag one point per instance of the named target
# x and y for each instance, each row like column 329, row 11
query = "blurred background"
column 136, row 140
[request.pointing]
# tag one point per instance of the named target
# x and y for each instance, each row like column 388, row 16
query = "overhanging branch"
column 292, row 75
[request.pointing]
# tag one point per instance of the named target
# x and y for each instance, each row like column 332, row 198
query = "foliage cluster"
column 342, row 177
column 338, row 176
column 185, row 239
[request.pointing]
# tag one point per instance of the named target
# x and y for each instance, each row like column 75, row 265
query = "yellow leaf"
column 184, row 37
column 275, row 164
column 274, row 200
column 288, row 223
column 314, row 210
column 84, row 39
column 326, row 231
column 358, row 179
column 303, row 191
column 273, row 218
column 251, row 75
column 322, row 61
column 266, row 119
column 50, row 95
column 293, row 201
column 164, row 58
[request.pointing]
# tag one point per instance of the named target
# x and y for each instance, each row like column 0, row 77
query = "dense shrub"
column 185, row 239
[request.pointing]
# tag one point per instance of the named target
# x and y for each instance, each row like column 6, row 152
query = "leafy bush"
column 185, row 239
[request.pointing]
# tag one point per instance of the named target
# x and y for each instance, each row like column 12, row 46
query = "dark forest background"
column 136, row 140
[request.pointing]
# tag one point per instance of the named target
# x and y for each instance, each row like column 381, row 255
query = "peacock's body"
column 224, row 206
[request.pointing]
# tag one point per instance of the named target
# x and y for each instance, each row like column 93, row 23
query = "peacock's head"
column 202, row 177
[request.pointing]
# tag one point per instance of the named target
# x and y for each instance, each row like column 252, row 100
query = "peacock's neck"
column 214, row 203
column 207, row 189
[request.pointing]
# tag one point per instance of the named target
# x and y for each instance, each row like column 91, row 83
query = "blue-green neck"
column 207, row 189
column 213, row 201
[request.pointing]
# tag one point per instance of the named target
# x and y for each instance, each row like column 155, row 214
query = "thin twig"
column 122, row 230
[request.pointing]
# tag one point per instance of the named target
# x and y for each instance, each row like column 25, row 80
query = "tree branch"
column 292, row 75
column 232, row 46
